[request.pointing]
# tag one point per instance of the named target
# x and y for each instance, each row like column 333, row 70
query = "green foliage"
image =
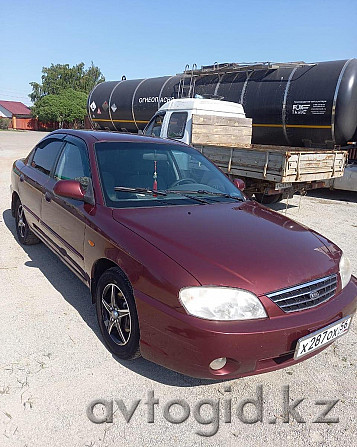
column 59, row 77
column 4, row 123
column 68, row 106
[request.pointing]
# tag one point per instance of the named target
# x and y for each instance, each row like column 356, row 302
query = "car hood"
column 241, row 245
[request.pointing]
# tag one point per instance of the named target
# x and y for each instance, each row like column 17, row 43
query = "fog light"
column 218, row 363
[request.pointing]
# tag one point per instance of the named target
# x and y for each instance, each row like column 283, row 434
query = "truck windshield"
column 131, row 172
column 153, row 129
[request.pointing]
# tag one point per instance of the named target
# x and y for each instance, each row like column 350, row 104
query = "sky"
column 147, row 38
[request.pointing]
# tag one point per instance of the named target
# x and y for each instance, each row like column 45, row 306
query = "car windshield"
column 150, row 174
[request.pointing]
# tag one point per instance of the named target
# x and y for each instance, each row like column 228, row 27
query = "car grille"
column 305, row 296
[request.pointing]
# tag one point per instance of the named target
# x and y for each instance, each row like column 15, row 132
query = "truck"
column 221, row 131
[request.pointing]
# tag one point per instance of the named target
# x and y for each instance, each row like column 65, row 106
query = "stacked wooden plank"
column 214, row 130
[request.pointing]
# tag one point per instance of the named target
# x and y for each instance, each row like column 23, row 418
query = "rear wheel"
column 24, row 234
column 268, row 199
column 117, row 315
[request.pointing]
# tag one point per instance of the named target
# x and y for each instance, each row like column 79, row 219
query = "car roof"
column 92, row 136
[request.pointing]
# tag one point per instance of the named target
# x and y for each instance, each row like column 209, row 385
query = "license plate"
column 322, row 337
column 279, row 186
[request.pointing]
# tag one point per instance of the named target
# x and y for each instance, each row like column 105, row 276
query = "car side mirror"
column 71, row 189
column 239, row 183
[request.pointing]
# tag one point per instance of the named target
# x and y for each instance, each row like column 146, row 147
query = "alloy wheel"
column 116, row 314
column 21, row 221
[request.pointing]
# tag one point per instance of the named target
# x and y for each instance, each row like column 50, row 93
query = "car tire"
column 117, row 314
column 24, row 234
column 268, row 199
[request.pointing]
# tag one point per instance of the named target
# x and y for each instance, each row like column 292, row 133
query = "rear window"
column 45, row 155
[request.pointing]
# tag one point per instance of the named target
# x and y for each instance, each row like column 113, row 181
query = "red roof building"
column 19, row 114
column 10, row 108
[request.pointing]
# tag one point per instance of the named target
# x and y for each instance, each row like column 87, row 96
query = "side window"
column 177, row 125
column 73, row 163
column 154, row 127
column 45, row 155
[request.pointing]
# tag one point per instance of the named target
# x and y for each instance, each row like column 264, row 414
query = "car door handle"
column 22, row 178
column 48, row 197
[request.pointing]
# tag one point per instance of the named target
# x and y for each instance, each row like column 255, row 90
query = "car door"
column 64, row 219
column 36, row 174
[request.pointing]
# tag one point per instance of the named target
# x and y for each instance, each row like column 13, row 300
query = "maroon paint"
column 69, row 188
column 164, row 249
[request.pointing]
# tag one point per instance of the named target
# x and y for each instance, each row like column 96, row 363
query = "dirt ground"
column 53, row 363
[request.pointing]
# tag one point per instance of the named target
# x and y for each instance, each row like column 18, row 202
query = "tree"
column 59, row 77
column 68, row 106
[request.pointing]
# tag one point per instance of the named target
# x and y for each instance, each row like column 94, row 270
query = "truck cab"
column 174, row 119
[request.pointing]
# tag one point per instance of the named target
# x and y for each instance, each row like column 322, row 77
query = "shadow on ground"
column 78, row 296
column 281, row 206
column 327, row 194
column 335, row 194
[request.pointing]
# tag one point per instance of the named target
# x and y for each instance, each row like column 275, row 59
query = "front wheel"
column 24, row 234
column 117, row 314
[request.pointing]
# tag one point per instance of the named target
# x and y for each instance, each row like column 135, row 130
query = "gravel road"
column 53, row 363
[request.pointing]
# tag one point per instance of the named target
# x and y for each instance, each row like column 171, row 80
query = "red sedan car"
column 182, row 267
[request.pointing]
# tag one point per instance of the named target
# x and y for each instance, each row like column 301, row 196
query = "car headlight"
column 221, row 303
column 345, row 270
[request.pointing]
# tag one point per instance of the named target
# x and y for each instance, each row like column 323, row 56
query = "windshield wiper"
column 205, row 192
column 140, row 190
column 183, row 193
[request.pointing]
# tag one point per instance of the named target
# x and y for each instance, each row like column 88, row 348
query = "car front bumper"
column 188, row 345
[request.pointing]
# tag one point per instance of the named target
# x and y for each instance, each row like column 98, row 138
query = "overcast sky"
column 144, row 38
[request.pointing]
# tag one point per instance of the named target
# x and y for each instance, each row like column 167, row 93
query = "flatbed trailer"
column 278, row 170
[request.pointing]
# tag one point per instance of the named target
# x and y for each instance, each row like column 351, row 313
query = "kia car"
column 182, row 267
